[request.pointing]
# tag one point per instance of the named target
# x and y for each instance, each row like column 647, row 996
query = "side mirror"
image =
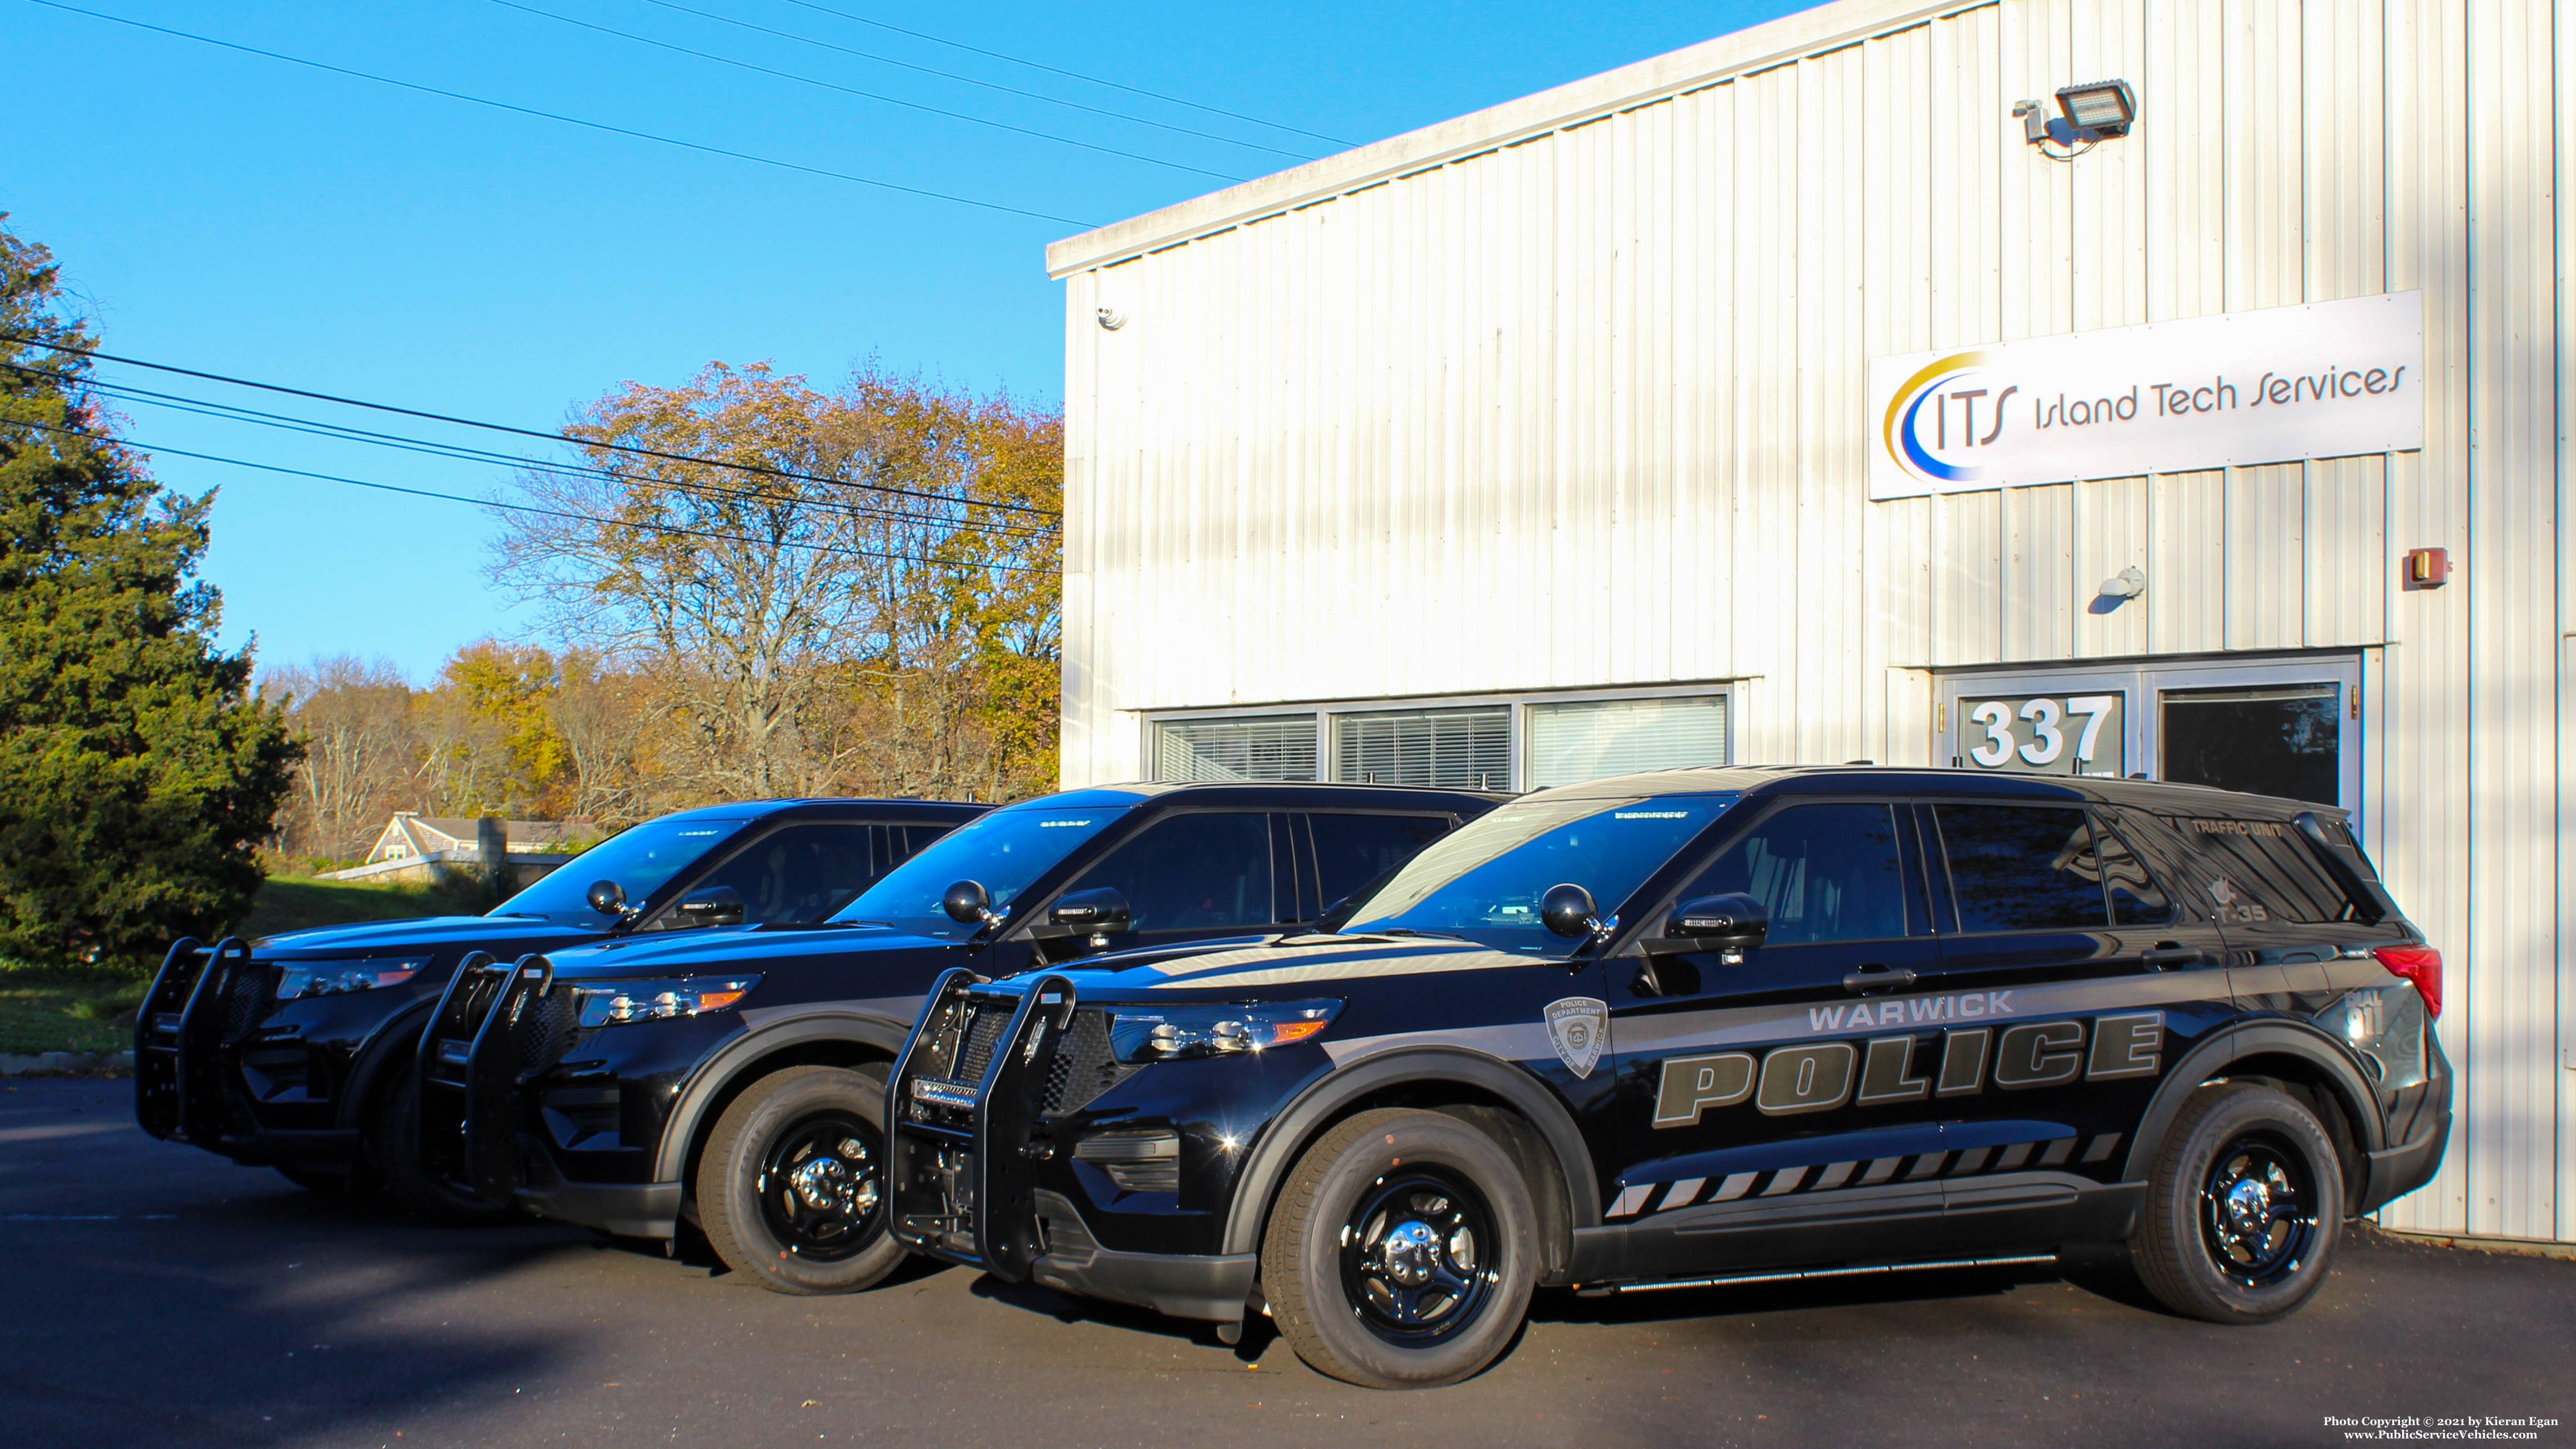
column 1731, row 922
column 1568, row 911
column 714, row 906
column 608, row 897
column 1100, row 914
column 967, row 904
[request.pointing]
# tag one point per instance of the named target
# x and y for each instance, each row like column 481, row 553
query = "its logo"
column 1576, row 1027
column 1942, row 415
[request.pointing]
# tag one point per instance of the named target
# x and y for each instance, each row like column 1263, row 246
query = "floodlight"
column 2106, row 108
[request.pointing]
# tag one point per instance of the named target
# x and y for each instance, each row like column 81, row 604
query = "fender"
column 2273, row 1037
column 1299, row 1122
column 387, row 1048
column 671, row 1160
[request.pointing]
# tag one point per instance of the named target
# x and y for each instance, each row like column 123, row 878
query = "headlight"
column 1150, row 1034
column 618, row 1002
column 331, row 978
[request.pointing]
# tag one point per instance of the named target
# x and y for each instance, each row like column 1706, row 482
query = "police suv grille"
column 246, row 1000
column 1084, row 1066
column 983, row 1036
column 545, row 1030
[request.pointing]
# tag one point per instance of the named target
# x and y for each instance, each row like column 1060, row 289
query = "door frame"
column 2143, row 683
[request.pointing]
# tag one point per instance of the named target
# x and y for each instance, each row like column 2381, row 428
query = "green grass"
column 51, row 1014
column 57, row 1011
column 295, row 903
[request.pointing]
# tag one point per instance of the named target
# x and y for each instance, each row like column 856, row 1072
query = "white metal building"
column 1571, row 436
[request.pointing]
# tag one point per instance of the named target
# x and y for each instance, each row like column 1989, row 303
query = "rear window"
column 2259, row 870
column 2023, row 868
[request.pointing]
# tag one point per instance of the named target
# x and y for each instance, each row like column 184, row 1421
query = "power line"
column 988, row 85
column 591, row 518
column 760, row 470
column 557, row 116
column 1071, row 74
column 229, row 412
column 853, row 91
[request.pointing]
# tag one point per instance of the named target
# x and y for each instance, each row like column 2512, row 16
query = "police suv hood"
column 726, row 948
column 425, row 933
column 1276, row 967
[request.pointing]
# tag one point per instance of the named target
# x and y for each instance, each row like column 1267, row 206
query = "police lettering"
column 1819, row 1076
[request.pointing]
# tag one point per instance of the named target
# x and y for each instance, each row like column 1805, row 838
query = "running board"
column 1800, row 1275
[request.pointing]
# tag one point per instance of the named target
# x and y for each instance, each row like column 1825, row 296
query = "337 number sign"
column 2045, row 734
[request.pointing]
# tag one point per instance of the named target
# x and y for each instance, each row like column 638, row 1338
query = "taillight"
column 2421, row 965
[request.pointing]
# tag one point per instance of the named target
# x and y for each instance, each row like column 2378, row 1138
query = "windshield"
column 1004, row 851
column 640, row 860
column 1484, row 881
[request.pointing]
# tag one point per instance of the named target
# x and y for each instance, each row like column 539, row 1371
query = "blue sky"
column 246, row 216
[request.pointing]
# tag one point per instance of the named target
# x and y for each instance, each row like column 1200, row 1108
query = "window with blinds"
column 1271, row 747
column 1460, row 749
column 1587, row 739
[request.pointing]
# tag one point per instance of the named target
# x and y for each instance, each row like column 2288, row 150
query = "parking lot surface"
column 154, row 1294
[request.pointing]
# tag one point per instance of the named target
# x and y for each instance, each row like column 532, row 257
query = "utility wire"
column 629, row 448
column 1072, row 74
column 557, row 116
column 229, row 412
column 591, row 518
column 973, row 81
column 853, row 91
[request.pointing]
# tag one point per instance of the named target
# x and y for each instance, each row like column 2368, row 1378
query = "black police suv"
column 295, row 1051
column 740, row 1082
column 1703, row 1026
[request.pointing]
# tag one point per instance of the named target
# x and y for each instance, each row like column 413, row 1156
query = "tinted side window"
column 1353, row 850
column 2023, row 868
column 802, row 873
column 1192, row 872
column 2258, row 870
column 1825, row 872
column 2136, row 899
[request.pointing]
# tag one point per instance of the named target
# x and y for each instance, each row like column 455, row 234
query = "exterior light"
column 2106, row 108
column 2128, row 583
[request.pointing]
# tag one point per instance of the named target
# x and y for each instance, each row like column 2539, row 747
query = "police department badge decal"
column 1577, row 1026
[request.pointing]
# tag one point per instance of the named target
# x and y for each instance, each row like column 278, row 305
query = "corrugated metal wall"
column 1581, row 403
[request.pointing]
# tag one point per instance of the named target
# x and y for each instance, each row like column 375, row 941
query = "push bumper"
column 633, row 1210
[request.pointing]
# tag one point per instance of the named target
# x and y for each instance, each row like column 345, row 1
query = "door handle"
column 1876, row 978
column 2165, row 958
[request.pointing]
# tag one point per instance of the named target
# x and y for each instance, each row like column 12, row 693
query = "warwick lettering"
column 1822, row 1075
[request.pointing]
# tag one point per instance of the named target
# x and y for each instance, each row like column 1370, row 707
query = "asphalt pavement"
column 152, row 1294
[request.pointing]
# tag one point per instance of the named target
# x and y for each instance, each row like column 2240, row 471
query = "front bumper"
column 634, row 1210
column 1182, row 1285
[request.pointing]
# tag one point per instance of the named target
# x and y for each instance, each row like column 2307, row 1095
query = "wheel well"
column 2323, row 1094
column 815, row 1052
column 1496, row 1118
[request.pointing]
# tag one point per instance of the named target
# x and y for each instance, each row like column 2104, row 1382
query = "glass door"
column 2281, row 726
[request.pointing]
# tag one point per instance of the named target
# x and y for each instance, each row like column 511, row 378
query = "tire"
column 784, row 1199
column 1452, row 1302
column 2244, row 1209
column 393, row 1148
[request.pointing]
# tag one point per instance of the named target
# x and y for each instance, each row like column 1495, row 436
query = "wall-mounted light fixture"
column 2118, row 589
column 1111, row 319
column 2089, row 114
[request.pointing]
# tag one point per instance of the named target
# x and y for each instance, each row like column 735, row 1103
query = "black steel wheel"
column 791, row 1189
column 2258, row 1210
column 1401, row 1251
column 1415, row 1255
column 2244, row 1208
column 821, row 1183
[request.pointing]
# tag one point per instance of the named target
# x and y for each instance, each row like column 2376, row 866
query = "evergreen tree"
column 137, row 771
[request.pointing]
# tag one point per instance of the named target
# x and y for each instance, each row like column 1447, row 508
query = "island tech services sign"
column 2324, row 380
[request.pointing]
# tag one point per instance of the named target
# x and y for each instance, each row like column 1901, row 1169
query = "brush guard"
column 181, row 1033
column 964, row 1109
column 495, row 1025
